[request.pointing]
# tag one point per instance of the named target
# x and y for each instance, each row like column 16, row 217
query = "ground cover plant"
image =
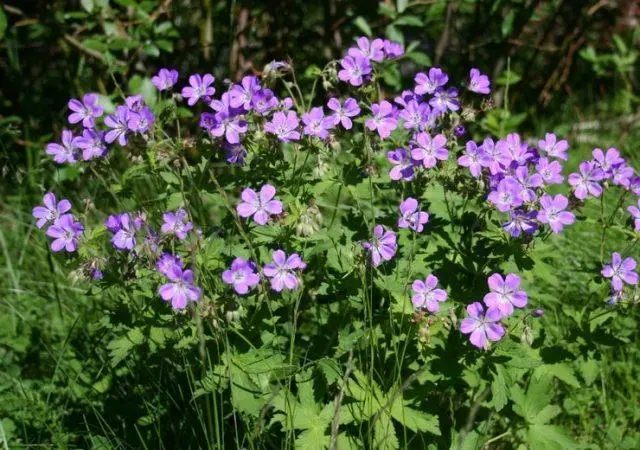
column 346, row 267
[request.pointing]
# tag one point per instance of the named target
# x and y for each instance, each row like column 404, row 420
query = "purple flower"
column 416, row 116
column 383, row 245
column 242, row 275
column 284, row 126
column 316, row 123
column 553, row 212
column 242, row 94
column 343, row 114
column 406, row 97
column 633, row 210
column 428, row 84
column 354, row 69
column 505, row 293
column 264, row 101
column 587, row 182
column 551, row 172
column 135, row 103
column 606, row 161
column 621, row 174
column 65, row 232
column 553, row 147
column 260, row 206
column 165, row 79
column 620, row 271
column 478, row 82
column 67, row 152
column 167, row 263
column 85, row 111
column 527, row 183
column 474, row 158
column 393, row 49
column 224, row 121
column 373, row 50
column 176, row 223
column 92, row 144
column 513, row 149
column 521, row 222
column 119, row 122
column 460, row 131
column 402, row 165
column 507, row 195
column 124, row 230
column 281, row 271
column 482, row 327
column 383, row 119
column 140, row 121
column 425, row 294
column 445, row 99
column 496, row 158
column 236, row 153
column 410, row 216
column 429, row 149
column 200, row 87
column 51, row 210
column 181, row 288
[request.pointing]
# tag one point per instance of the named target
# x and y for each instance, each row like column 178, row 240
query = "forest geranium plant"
column 300, row 226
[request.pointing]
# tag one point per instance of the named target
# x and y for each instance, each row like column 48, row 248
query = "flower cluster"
column 281, row 272
column 484, row 326
column 63, row 227
column 180, row 288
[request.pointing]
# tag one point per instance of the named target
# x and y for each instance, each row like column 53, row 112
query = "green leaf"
column 561, row 371
column 419, row 58
column 416, row 421
column 508, row 78
column 3, row 23
column 589, row 370
column 88, row 5
column 412, row 21
column 385, row 434
column 549, row 437
column 499, row 389
column 507, row 23
column 401, row 5
column 394, row 34
column 361, row 23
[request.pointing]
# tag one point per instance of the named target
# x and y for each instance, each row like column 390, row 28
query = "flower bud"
column 538, row 312
column 468, row 115
column 460, row 131
column 310, row 221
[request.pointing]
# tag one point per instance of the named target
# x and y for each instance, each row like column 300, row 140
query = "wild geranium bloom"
column 236, row 153
column 445, row 99
column 316, row 123
column 124, row 229
column 410, row 217
column 621, row 174
column 167, row 263
column 242, row 94
column 527, row 183
column 430, row 150
column 553, row 212
column 284, row 126
column 119, row 124
column 402, row 164
column 635, row 213
column 165, row 79
column 282, row 271
column 383, row 120
column 426, row 295
column 261, row 205
column 67, row 152
column 373, row 50
column 180, row 290
column 505, row 293
column 497, row 160
column 176, row 223
column 225, row 123
column 51, row 211
column 85, row 111
column 606, row 161
column 65, row 233
column 343, row 113
column 513, row 149
column 200, row 87
column 135, row 103
column 92, row 144
column 587, row 182
column 383, row 245
column 264, row 101
column 242, row 276
column 521, row 222
column 428, row 84
column 482, row 327
column 507, row 195
column 393, row 49
column 474, row 158
column 479, row 82
column 620, row 271
column 354, row 69
column 141, row 121
column 553, row 147
column 406, row 97
column 551, row 172
column 416, row 115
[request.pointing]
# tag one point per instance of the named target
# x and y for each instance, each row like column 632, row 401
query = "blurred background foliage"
column 566, row 65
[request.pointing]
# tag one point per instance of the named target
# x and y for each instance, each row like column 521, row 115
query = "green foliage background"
column 76, row 370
